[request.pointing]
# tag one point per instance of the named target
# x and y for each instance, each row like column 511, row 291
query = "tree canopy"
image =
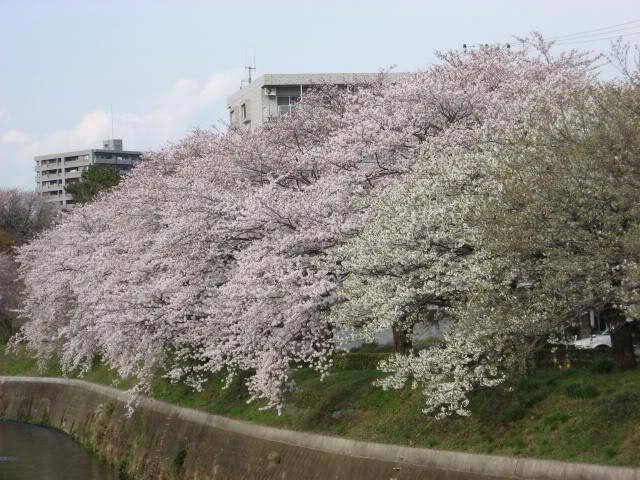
column 495, row 187
column 23, row 215
column 93, row 180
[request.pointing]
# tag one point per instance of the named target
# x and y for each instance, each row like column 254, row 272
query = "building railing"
column 271, row 113
column 117, row 161
column 77, row 161
column 48, row 188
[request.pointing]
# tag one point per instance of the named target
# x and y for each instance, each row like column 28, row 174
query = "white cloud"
column 86, row 133
column 14, row 136
column 174, row 113
column 186, row 104
column 187, row 101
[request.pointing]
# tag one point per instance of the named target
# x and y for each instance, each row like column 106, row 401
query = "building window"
column 287, row 104
column 243, row 111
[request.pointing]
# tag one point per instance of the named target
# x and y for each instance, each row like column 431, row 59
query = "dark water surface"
column 28, row 452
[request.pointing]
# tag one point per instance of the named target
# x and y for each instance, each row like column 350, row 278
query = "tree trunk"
column 5, row 328
column 622, row 346
column 401, row 339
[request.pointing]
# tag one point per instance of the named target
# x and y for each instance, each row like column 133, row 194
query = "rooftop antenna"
column 111, row 106
column 466, row 46
column 249, row 67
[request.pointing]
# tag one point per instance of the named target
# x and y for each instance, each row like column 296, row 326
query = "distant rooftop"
column 110, row 145
column 282, row 79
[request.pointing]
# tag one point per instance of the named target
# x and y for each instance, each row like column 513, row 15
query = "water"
column 29, row 452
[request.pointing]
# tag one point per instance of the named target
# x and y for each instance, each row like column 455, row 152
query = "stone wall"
column 162, row 441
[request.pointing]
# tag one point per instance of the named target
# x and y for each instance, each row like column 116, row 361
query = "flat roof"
column 282, row 79
column 85, row 152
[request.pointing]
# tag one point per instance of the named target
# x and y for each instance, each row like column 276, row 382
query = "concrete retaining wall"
column 162, row 441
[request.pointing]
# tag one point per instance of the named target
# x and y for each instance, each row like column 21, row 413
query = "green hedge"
column 569, row 356
column 358, row 361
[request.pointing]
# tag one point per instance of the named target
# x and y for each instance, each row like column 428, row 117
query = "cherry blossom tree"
column 575, row 204
column 23, row 215
column 176, row 267
column 426, row 248
column 9, row 295
column 414, row 254
column 225, row 251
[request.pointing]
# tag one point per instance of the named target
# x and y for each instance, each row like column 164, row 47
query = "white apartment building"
column 272, row 95
column 57, row 170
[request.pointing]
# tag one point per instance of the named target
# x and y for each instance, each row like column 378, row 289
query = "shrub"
column 372, row 347
column 512, row 412
column 621, row 405
column 179, row 459
column 602, row 365
column 504, row 406
column 581, row 391
column 358, row 361
column 553, row 420
column 122, row 471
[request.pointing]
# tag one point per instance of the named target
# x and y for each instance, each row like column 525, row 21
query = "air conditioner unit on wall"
column 270, row 91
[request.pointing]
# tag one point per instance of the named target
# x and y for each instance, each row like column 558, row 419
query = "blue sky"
column 166, row 67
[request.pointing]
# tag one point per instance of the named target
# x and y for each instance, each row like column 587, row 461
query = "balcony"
column 118, row 161
column 45, row 164
column 49, row 176
column 74, row 174
column 271, row 113
column 77, row 162
column 49, row 188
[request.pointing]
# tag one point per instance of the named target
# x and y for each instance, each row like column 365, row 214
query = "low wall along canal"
column 162, row 441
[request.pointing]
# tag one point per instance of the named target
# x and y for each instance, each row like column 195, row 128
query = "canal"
column 29, row 452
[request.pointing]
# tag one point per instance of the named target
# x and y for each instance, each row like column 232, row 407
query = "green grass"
column 571, row 415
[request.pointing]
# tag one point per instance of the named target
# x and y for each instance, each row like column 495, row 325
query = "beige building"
column 272, row 95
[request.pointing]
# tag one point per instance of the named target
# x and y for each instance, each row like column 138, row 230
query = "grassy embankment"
column 570, row 414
